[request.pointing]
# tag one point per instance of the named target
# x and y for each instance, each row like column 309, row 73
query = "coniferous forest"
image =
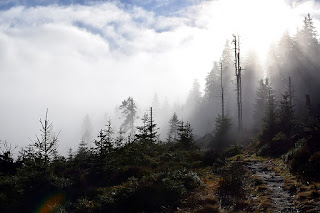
column 246, row 143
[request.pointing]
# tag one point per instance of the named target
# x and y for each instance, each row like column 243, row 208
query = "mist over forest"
column 85, row 59
column 159, row 107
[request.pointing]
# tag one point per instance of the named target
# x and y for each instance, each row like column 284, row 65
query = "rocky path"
column 281, row 199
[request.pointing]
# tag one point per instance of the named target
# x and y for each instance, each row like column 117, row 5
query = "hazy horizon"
column 80, row 58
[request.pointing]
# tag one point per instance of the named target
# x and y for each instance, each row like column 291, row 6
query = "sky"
column 85, row 57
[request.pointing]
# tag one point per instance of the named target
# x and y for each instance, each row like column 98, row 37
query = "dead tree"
column 151, row 121
column 238, row 79
column 222, row 98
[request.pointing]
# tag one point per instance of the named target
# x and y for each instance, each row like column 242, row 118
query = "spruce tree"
column 307, row 36
column 120, row 139
column 104, row 144
column 129, row 111
column 270, row 120
column 82, row 149
column 44, row 147
column 173, row 129
column 194, row 97
column 212, row 88
column 186, row 139
column 221, row 133
column 286, row 115
column 261, row 102
column 148, row 131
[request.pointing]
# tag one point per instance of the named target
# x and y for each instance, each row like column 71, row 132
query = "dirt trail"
column 282, row 201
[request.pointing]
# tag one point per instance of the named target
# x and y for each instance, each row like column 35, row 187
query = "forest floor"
column 288, row 193
column 268, row 187
column 270, row 184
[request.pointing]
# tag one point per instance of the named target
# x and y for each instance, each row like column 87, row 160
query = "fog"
column 82, row 60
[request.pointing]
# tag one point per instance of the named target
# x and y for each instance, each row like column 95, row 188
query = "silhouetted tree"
column 286, row 115
column 70, row 154
column 147, row 132
column 6, row 149
column 7, row 164
column 45, row 145
column 270, row 120
column 221, row 133
column 186, row 139
column 307, row 64
column 82, row 149
column 105, row 142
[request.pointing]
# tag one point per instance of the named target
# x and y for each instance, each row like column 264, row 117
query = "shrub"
column 300, row 158
column 280, row 144
column 221, row 134
column 150, row 193
column 210, row 157
column 233, row 150
column 230, row 188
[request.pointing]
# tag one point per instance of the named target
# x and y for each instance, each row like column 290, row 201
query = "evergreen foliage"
column 7, row 164
column 212, row 88
column 286, row 115
column 221, row 133
column 295, row 56
column 147, row 131
column 278, row 126
column 194, row 97
column 185, row 135
column 120, row 139
column 270, row 120
column 173, row 129
column 105, row 142
column 44, row 147
column 82, row 149
column 139, row 175
column 261, row 102
column 129, row 110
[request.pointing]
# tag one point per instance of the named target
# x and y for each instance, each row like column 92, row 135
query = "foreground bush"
column 231, row 183
column 151, row 193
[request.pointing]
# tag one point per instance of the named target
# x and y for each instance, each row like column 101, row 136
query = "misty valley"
column 249, row 141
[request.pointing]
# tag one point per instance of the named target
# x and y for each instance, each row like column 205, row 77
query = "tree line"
column 123, row 170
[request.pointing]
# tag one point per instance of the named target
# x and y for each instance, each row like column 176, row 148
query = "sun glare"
column 258, row 23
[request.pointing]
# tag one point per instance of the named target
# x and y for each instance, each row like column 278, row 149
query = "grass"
column 203, row 199
column 256, row 193
column 306, row 195
column 260, row 195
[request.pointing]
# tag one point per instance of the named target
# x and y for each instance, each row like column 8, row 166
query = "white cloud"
column 86, row 59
